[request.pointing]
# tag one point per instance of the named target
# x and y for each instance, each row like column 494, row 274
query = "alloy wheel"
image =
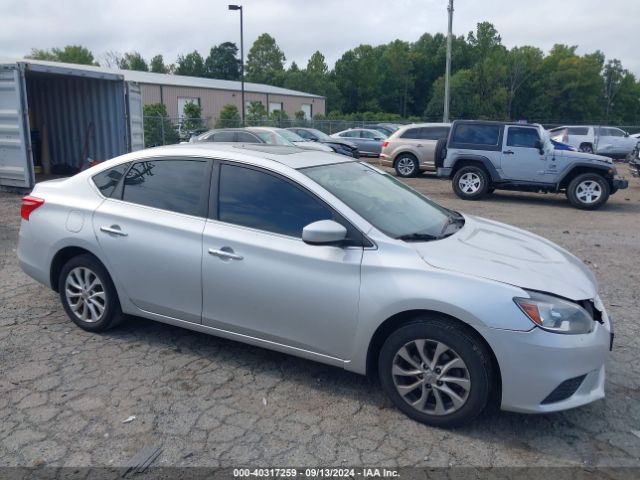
column 588, row 191
column 470, row 182
column 85, row 294
column 405, row 166
column 431, row 377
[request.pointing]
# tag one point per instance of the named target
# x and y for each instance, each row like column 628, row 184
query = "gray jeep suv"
column 482, row 156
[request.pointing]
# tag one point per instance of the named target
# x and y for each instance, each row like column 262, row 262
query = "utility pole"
column 447, row 75
column 242, row 107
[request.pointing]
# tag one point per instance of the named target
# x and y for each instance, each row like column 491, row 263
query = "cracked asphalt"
column 65, row 393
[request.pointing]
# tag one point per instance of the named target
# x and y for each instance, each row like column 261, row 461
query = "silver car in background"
column 369, row 141
column 330, row 259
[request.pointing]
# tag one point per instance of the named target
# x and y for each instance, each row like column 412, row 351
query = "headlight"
column 555, row 314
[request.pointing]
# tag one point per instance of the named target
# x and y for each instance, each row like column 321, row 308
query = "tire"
column 431, row 401
column 471, row 182
column 586, row 148
column 96, row 308
column 407, row 165
column 588, row 191
column 440, row 152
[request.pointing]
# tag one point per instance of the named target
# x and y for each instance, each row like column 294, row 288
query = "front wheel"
column 435, row 372
column 88, row 294
column 471, row 183
column 588, row 191
column 407, row 165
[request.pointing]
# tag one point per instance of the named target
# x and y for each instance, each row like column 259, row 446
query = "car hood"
column 582, row 156
column 493, row 250
column 313, row 146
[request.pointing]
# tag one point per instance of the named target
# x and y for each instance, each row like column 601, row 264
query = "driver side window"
column 522, row 137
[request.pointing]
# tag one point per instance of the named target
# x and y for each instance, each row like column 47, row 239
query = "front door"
column 260, row 279
column 151, row 235
column 521, row 159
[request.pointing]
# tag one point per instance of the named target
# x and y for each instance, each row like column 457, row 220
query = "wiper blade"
column 417, row 237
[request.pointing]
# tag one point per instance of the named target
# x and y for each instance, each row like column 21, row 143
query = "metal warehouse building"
column 59, row 114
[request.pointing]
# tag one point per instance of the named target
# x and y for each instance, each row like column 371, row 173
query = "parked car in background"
column 411, row 149
column 481, row 156
column 329, row 259
column 343, row 147
column 385, row 128
column 266, row 135
column 609, row 141
column 369, row 142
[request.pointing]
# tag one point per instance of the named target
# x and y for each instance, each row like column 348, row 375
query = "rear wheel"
column 588, row 191
column 88, row 294
column 471, row 182
column 407, row 165
column 436, row 372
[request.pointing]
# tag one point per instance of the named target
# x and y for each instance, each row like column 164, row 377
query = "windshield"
column 386, row 203
column 318, row 133
column 289, row 135
column 271, row 138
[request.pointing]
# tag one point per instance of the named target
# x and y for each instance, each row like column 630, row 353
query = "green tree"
column 68, row 54
column 357, row 76
column 191, row 64
column 613, row 74
column 522, row 64
column 256, row 113
column 223, row 63
column 157, row 65
column 397, row 78
column 229, row 117
column 192, row 118
column 133, row 61
column 279, row 118
column 158, row 128
column 265, row 61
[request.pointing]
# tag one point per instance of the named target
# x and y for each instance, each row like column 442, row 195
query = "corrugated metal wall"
column 67, row 105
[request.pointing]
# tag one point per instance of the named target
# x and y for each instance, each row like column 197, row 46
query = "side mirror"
column 539, row 145
column 324, row 232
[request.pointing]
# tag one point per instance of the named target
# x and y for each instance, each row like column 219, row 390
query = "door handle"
column 508, row 152
column 114, row 229
column 225, row 253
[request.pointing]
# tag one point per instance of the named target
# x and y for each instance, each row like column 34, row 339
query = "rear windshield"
column 477, row 134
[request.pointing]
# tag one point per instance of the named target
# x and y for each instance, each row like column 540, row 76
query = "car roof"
column 420, row 125
column 495, row 122
column 253, row 153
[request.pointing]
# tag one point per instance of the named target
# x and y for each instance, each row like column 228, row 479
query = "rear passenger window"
column 478, row 134
column 108, row 180
column 224, row 137
column 256, row 199
column 412, row 133
column 245, row 137
column 180, row 186
column 578, row 131
column 522, row 137
column 434, row 133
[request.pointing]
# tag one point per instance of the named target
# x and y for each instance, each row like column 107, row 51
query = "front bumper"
column 536, row 363
column 620, row 183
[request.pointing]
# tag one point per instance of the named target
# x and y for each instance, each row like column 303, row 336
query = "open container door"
column 134, row 112
column 16, row 165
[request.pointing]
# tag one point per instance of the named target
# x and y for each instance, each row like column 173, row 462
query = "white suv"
column 609, row 141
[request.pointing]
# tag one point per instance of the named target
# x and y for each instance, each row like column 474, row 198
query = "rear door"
column 134, row 112
column 521, row 160
column 150, row 232
column 430, row 137
column 16, row 165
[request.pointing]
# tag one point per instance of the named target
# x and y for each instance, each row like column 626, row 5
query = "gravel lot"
column 64, row 393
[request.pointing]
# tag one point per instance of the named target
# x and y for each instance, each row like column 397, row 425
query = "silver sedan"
column 329, row 259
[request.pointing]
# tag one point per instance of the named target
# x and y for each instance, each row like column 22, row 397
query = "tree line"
column 406, row 79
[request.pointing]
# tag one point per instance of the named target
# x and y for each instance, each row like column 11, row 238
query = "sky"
column 301, row 27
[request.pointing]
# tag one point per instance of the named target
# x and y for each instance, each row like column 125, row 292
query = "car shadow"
column 493, row 425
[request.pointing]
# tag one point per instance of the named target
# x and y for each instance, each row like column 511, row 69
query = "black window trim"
column 203, row 211
column 509, row 127
column 358, row 238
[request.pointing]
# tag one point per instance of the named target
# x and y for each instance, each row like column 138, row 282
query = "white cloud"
column 301, row 27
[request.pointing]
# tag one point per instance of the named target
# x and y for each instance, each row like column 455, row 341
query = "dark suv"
column 481, row 156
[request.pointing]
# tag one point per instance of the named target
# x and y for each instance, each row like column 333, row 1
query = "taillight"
column 385, row 143
column 29, row 204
